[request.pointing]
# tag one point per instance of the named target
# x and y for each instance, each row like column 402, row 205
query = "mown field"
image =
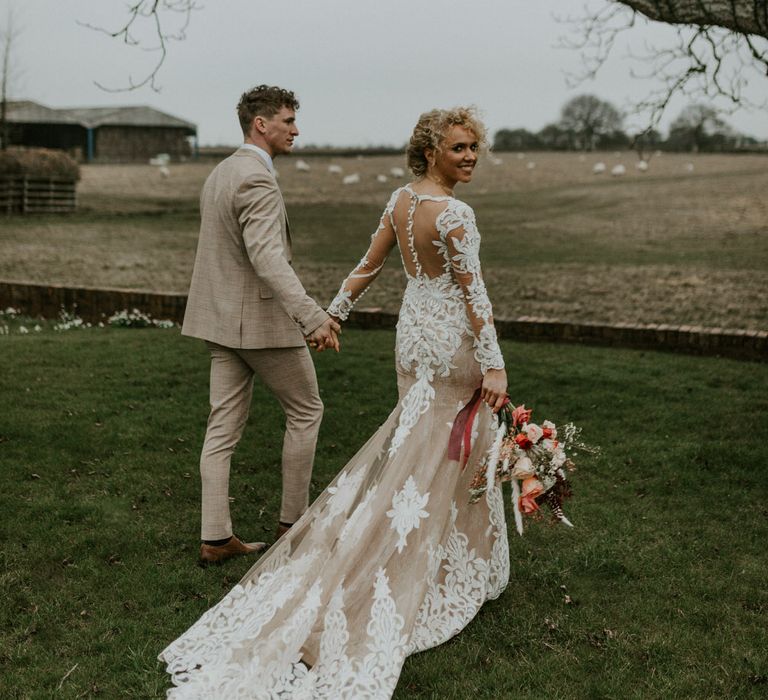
column 685, row 242
column 658, row 592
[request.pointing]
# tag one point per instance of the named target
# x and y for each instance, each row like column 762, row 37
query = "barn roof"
column 28, row 112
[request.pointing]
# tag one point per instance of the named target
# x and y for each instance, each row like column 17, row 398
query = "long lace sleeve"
column 357, row 282
column 459, row 233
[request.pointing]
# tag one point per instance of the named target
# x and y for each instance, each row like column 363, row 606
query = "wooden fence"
column 21, row 194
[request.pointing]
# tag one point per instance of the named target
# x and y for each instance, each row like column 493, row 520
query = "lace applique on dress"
column 391, row 558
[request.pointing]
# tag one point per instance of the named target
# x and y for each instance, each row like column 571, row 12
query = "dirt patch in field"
column 684, row 243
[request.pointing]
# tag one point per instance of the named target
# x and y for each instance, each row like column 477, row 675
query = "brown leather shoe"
column 210, row 554
column 282, row 528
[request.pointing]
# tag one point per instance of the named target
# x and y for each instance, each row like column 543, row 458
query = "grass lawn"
column 665, row 572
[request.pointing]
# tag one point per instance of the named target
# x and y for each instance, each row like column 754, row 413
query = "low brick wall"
column 95, row 304
column 88, row 303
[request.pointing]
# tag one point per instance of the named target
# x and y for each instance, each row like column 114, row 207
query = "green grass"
column 100, row 432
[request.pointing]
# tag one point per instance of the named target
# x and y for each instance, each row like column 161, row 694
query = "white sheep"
column 381, row 178
column 335, row 169
column 530, row 165
column 397, row 172
column 642, row 165
column 352, row 179
column 617, row 170
column 302, row 165
column 598, row 168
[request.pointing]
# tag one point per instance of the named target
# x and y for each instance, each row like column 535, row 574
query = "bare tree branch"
column 740, row 16
column 150, row 13
column 717, row 45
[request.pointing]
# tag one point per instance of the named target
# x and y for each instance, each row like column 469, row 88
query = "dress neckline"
column 428, row 197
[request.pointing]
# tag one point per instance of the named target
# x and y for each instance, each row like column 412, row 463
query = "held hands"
column 494, row 388
column 325, row 336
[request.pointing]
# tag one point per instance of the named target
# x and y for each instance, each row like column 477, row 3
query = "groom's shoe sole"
column 209, row 554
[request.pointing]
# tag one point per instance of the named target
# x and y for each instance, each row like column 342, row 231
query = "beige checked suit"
column 249, row 306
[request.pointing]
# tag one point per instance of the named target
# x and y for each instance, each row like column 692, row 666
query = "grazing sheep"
column 352, row 179
column 302, row 165
column 397, row 172
column 381, row 178
column 335, row 169
column 160, row 159
column 530, row 165
column 598, row 168
column 496, row 161
column 164, row 171
column 617, row 170
column 642, row 165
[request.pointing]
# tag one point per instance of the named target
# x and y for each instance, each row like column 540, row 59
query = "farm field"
column 685, row 242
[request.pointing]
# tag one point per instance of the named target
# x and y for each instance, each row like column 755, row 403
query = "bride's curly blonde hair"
column 431, row 129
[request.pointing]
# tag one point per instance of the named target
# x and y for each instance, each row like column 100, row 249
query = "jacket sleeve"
column 259, row 211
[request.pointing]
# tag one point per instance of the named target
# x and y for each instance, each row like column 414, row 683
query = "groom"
column 249, row 306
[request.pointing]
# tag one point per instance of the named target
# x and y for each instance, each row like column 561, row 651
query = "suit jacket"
column 244, row 292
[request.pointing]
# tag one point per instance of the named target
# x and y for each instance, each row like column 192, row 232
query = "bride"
column 391, row 559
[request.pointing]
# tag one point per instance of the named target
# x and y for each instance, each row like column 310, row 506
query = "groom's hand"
column 325, row 336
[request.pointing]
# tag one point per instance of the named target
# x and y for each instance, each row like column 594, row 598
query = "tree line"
column 588, row 123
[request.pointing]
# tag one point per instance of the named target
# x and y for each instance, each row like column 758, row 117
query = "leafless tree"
column 8, row 36
column 719, row 47
column 152, row 17
column 587, row 117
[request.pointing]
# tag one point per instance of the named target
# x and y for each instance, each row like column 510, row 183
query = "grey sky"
column 362, row 69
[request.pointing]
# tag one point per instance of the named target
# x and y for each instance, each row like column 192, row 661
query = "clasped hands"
column 325, row 336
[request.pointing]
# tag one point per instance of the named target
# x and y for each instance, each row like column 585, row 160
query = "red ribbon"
column 462, row 425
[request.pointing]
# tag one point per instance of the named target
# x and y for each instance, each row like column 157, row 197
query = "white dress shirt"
column 264, row 155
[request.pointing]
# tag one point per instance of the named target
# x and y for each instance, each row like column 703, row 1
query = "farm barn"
column 101, row 134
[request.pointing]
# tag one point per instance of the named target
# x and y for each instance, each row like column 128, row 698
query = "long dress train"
column 390, row 559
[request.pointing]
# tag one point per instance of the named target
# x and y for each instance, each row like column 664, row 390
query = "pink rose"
column 534, row 432
column 521, row 415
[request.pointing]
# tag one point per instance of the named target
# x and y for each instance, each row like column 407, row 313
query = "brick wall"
column 95, row 304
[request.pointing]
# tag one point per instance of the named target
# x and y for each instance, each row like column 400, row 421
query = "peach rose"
column 531, row 489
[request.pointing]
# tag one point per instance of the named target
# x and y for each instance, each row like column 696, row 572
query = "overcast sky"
column 363, row 69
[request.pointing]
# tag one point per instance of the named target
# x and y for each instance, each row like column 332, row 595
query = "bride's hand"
column 494, row 389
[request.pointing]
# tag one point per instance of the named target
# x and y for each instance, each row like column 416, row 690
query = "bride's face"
column 456, row 158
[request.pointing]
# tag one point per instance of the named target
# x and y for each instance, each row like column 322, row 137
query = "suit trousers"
column 290, row 375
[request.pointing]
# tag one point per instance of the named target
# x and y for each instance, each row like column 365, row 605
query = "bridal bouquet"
column 535, row 459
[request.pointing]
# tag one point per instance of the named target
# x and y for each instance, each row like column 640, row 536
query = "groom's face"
column 280, row 130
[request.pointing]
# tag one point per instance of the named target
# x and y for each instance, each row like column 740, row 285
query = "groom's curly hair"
column 430, row 131
column 263, row 101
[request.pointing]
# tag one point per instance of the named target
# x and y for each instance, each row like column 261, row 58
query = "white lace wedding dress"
column 391, row 559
